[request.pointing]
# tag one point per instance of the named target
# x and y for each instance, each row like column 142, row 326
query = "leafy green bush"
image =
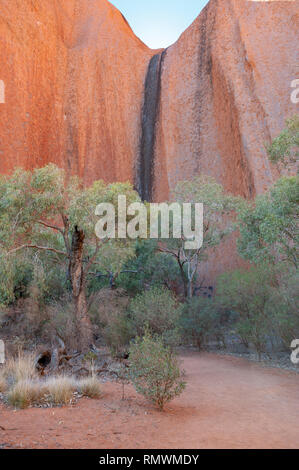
column 158, row 310
column 16, row 273
column 155, row 371
column 269, row 226
column 148, row 269
column 248, row 294
column 285, row 147
column 117, row 334
column 284, row 307
column 199, row 320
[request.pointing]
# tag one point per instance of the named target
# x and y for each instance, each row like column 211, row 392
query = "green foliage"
column 109, row 314
column 155, row 371
column 148, row 268
column 284, row 306
column 200, row 320
column 206, row 190
column 117, row 334
column 248, row 295
column 157, row 310
column 39, row 211
column 218, row 223
column 269, row 227
column 285, row 147
column 16, row 275
column 218, row 207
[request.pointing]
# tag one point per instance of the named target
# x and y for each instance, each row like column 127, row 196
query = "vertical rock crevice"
column 152, row 92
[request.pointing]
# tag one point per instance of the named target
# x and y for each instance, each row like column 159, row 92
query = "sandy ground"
column 228, row 403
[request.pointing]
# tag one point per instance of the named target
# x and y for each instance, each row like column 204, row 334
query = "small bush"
column 284, row 307
column 62, row 321
column 24, row 394
column 110, row 316
column 60, row 389
column 90, row 387
column 199, row 321
column 248, row 293
column 117, row 334
column 157, row 310
column 155, row 371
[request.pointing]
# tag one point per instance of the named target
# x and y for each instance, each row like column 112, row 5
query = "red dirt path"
column 228, row 403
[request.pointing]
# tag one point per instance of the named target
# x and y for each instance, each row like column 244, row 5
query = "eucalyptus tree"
column 269, row 230
column 285, row 147
column 218, row 222
column 45, row 211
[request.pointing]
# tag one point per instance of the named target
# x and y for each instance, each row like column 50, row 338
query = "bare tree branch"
column 53, row 227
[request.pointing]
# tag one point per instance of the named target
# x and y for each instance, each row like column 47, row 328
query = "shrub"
column 15, row 277
column 269, row 226
column 90, row 387
column 248, row 294
column 110, row 315
column 155, row 371
column 117, row 334
column 148, row 268
column 199, row 320
column 157, row 310
column 284, row 307
column 62, row 321
column 60, row 389
column 285, row 147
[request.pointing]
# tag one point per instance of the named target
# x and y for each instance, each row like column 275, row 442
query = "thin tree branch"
column 91, row 261
column 43, row 248
column 53, row 227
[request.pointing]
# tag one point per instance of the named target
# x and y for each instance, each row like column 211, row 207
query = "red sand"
column 228, row 403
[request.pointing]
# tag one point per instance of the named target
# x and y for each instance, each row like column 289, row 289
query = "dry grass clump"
column 60, row 389
column 90, row 387
column 22, row 387
column 20, row 368
column 3, row 383
column 55, row 390
column 25, row 393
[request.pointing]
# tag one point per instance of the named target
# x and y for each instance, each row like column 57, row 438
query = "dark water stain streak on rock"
column 152, row 92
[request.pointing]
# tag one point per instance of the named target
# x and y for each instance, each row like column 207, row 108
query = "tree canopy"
column 269, row 225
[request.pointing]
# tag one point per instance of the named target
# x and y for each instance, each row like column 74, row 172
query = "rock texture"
column 225, row 93
column 74, row 75
column 83, row 91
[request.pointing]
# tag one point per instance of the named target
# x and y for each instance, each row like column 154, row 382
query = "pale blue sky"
column 159, row 23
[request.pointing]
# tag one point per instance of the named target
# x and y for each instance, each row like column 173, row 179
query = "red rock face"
column 74, row 74
column 82, row 91
column 75, row 77
column 226, row 87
